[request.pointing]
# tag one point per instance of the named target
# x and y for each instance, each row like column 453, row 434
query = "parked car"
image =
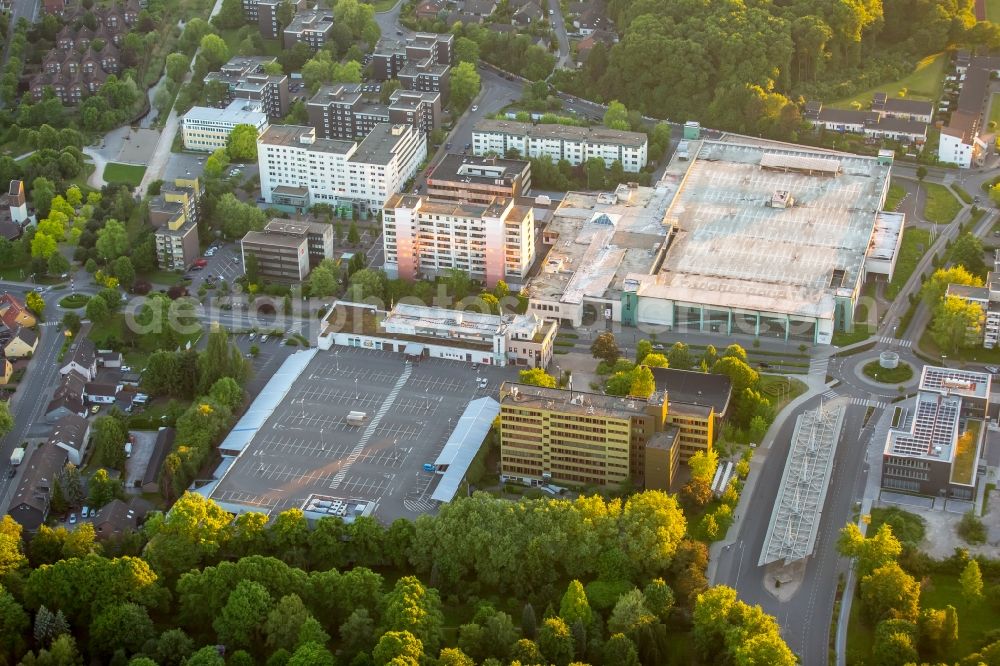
column 72, row 519
column 484, row 382
column 95, row 409
column 85, row 512
column 992, row 369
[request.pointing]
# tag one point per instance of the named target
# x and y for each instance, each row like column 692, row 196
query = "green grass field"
column 961, row 193
column 995, row 106
column 894, row 196
column 941, row 206
column 272, row 47
column 915, row 244
column 860, row 332
column 924, row 83
column 73, row 301
column 780, row 390
column 993, row 10
column 129, row 174
column 902, row 373
column 973, row 621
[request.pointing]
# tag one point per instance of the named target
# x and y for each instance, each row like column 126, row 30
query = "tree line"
column 487, row 581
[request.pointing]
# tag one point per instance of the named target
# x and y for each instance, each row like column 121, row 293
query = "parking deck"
column 307, row 446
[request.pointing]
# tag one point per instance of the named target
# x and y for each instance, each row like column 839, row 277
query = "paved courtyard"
column 307, row 447
column 139, row 147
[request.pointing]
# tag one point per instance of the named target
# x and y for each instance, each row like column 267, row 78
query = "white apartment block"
column 207, row 129
column 561, row 142
column 424, row 238
column 299, row 170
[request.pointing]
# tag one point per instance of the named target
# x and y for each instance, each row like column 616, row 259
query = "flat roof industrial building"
column 761, row 238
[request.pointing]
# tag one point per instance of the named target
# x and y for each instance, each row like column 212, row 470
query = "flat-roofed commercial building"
column 751, row 237
column 207, row 129
column 425, row 238
column 576, row 145
column 298, row 169
column 473, row 179
column 283, row 260
column 698, row 402
column 936, row 450
column 422, row 331
column 578, row 438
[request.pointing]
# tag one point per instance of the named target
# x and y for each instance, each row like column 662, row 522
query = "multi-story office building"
column 208, row 129
column 265, row 14
column 936, row 450
column 310, row 27
column 698, row 402
column 478, row 180
column 346, row 111
column 987, row 329
column 572, row 437
column 298, row 170
column 174, row 216
column 425, row 238
column 421, row 331
column 576, row 145
column 319, row 236
column 281, row 251
column 246, row 79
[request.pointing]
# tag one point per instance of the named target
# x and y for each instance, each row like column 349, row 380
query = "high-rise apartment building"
column 426, row 238
column 174, row 216
column 349, row 111
column 297, row 169
column 245, row 78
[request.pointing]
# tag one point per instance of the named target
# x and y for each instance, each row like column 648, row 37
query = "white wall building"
column 561, row 142
column 960, row 143
column 206, row 128
column 425, row 238
column 297, row 169
column 422, row 331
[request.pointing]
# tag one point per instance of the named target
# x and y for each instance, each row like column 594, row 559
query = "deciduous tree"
column 464, row 85
column 242, row 143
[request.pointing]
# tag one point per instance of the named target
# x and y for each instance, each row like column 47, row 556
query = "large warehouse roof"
column 769, row 227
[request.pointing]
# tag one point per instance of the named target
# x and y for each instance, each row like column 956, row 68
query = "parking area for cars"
column 308, row 446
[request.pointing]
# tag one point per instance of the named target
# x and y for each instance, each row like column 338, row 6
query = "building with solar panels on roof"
column 935, row 447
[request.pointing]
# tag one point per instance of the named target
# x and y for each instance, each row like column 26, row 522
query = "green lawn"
column 860, row 332
column 384, row 5
column 914, row 245
column 973, row 621
column 941, row 206
column 73, row 301
column 168, row 278
column 993, row 10
column 924, row 83
column 971, row 355
column 995, row 107
column 860, row 635
column 894, row 196
column 130, row 174
column 961, row 193
column 902, row 373
column 780, row 390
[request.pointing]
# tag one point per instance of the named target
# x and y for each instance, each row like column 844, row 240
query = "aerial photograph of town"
column 499, row 333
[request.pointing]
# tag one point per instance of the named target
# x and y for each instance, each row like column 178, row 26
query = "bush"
column 971, row 529
column 909, row 528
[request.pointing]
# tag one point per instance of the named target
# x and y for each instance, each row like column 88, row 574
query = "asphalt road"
column 559, row 27
column 806, row 616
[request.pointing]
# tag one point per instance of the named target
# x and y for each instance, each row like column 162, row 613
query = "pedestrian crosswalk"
column 819, row 366
column 889, row 340
column 861, row 402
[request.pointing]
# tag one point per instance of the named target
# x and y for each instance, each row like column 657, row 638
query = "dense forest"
column 741, row 65
column 492, row 582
